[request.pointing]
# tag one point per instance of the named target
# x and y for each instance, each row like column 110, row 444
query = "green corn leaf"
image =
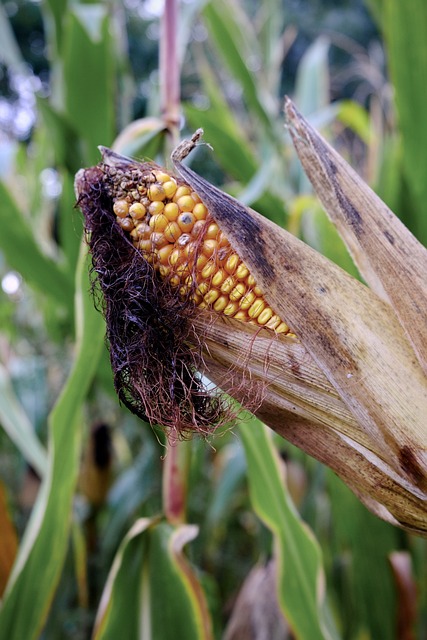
column 40, row 559
column 300, row 573
column 405, row 30
column 226, row 30
column 17, row 425
column 152, row 591
column 22, row 252
column 89, row 76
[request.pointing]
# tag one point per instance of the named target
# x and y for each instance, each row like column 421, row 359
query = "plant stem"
column 170, row 71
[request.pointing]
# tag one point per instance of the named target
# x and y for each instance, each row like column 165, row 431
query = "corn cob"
column 172, row 228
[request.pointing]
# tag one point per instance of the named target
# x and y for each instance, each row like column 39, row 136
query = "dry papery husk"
column 350, row 390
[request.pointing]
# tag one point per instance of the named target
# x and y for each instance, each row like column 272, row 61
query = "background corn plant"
column 88, row 542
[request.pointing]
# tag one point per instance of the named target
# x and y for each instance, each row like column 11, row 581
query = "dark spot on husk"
column 389, row 237
column 410, row 465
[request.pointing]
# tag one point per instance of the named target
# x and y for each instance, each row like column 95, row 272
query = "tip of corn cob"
column 158, row 255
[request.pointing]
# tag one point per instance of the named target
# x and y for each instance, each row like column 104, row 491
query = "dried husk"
column 352, row 391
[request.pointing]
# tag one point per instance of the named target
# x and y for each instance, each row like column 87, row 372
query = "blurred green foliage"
column 94, row 539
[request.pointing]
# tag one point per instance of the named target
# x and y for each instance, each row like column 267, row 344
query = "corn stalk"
column 352, row 389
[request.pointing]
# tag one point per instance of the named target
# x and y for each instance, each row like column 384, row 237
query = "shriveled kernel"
column 184, row 239
column 175, row 280
column 219, row 278
column 242, row 272
column 265, row 316
column 221, row 303
column 170, row 188
column 137, row 211
column 172, row 231
column 126, row 224
column 231, row 309
column 209, row 247
column 197, row 230
column 256, row 308
column 212, row 296
column 164, row 253
column 228, row 284
column 274, row 322
column 156, row 193
column 171, row 211
column 232, row 263
column 158, row 240
column 237, row 292
column 185, row 203
column 200, row 211
column 121, row 208
column 143, row 230
column 186, row 221
column 155, row 208
column 181, row 191
column 247, row 300
column 158, row 223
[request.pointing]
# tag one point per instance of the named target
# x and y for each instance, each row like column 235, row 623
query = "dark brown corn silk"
column 154, row 351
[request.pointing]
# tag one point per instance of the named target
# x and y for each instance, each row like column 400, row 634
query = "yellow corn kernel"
column 232, row 263
column 211, row 296
column 172, row 231
column 162, row 176
column 228, row 284
column 164, row 254
column 209, row 247
column 231, row 309
column 241, row 315
column 170, row 188
column 201, row 262
column 221, row 303
column 121, row 208
column 250, row 281
column 186, row 221
column 137, row 211
column 209, row 270
column 257, row 291
column 155, row 208
column 242, row 272
column 212, row 231
column 256, row 308
column 156, row 193
column 282, row 328
column 158, row 223
column 238, row 291
column 200, row 212
column 219, row 278
column 265, row 316
column 171, row 211
column 195, row 197
column 203, row 288
column 181, row 191
column 185, row 203
column 247, row 300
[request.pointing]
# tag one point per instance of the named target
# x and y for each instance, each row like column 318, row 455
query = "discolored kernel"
column 121, row 208
column 137, row 211
column 155, row 208
column 156, row 193
column 186, row 221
